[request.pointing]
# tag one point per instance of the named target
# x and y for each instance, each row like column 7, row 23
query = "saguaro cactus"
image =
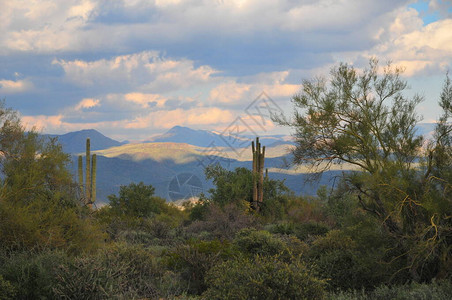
column 89, row 192
column 258, row 174
column 88, row 170
column 80, row 174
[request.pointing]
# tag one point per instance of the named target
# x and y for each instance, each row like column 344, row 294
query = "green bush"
column 7, row 290
column 435, row 291
column 251, row 241
column 310, row 229
column 194, row 259
column 137, row 200
column 223, row 222
column 262, row 278
column 347, row 264
column 281, row 228
column 441, row 290
column 32, row 274
column 198, row 211
column 121, row 271
column 45, row 224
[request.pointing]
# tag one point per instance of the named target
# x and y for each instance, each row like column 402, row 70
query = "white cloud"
column 12, row 87
column 191, row 117
column 421, row 49
column 145, row 71
column 146, row 99
column 87, row 103
column 43, row 26
column 43, row 122
column 232, row 92
column 138, row 65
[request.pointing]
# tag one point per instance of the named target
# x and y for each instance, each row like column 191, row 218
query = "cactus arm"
column 88, row 170
column 93, row 178
column 80, row 173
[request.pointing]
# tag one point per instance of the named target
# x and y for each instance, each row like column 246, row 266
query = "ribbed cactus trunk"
column 258, row 174
column 80, row 174
column 93, row 178
column 89, row 192
column 88, row 171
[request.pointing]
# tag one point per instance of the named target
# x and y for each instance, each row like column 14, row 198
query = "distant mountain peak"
column 209, row 139
column 75, row 142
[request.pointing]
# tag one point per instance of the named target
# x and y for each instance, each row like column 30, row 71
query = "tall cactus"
column 93, row 178
column 80, row 174
column 90, row 180
column 258, row 174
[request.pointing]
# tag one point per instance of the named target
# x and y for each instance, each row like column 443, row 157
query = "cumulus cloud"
column 421, row 49
column 43, row 26
column 201, row 27
column 138, row 66
column 15, row 86
column 192, row 117
column 43, row 122
column 145, row 71
column 233, row 92
column 146, row 100
column 87, row 103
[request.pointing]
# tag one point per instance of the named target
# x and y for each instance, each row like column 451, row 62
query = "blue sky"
column 131, row 69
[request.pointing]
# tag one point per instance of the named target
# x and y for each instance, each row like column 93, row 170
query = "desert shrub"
column 310, row 229
column 223, row 222
column 194, row 259
column 45, row 224
column 435, row 291
column 301, row 210
column 302, row 231
column 32, row 274
column 7, row 290
column 296, row 248
column 262, row 278
column 197, row 210
column 135, row 237
column 281, row 228
column 153, row 229
column 121, row 271
column 252, row 242
column 346, row 263
column 441, row 290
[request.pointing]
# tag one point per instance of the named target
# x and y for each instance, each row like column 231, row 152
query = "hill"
column 74, row 142
column 206, row 138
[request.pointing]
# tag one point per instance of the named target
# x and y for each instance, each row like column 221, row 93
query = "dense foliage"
column 365, row 120
column 383, row 232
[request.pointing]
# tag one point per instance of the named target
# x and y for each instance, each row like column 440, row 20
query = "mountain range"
column 173, row 161
column 205, row 138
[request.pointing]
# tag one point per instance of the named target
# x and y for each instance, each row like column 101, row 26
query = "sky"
column 132, row 69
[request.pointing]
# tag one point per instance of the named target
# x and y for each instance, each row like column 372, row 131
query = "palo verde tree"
column 32, row 166
column 38, row 204
column 364, row 119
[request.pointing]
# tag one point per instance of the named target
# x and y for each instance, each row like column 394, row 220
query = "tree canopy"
column 364, row 119
column 38, row 200
column 137, row 200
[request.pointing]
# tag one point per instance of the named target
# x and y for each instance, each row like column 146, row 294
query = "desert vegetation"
column 383, row 232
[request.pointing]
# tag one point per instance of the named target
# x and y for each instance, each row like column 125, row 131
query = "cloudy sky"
column 133, row 68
